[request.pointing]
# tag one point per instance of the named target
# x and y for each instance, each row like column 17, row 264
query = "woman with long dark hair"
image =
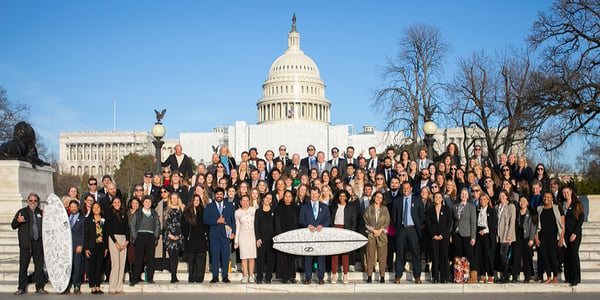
column 438, row 220
column 487, row 230
column 118, row 233
column 343, row 216
column 94, row 243
column 195, row 233
column 574, row 217
column 286, row 219
column 264, row 230
column 377, row 219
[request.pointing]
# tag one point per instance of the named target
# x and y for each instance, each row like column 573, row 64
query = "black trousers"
column 522, row 257
column 265, row 260
column 391, row 266
column 548, row 250
column 503, row 257
column 572, row 263
column 173, row 262
column 144, row 251
column 25, row 255
column 439, row 262
column 96, row 263
column 196, row 266
column 408, row 238
column 484, row 250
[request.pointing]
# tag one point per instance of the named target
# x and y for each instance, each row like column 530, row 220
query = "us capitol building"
column 293, row 111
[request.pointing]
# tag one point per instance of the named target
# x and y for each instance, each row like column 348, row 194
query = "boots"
column 473, row 277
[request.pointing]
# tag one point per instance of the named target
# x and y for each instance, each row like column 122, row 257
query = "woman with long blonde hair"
column 173, row 234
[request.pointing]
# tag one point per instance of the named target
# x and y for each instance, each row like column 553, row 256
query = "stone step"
column 590, row 246
column 351, row 288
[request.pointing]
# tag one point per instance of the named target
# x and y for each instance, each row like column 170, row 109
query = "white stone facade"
column 100, row 152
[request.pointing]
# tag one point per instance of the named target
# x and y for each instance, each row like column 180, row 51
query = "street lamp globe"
column 429, row 127
column 158, row 131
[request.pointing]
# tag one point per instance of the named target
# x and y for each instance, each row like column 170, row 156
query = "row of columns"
column 304, row 111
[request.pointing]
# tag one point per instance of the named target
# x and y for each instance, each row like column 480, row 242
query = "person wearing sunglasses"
column 28, row 221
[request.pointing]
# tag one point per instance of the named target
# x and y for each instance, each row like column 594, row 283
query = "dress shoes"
column 382, row 279
column 369, row 279
column 307, row 281
column 321, row 281
column 214, row 280
column 226, row 280
column 397, row 280
column 19, row 292
column 77, row 291
column 418, row 280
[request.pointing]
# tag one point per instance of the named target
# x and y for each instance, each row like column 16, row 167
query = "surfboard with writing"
column 329, row 241
column 58, row 246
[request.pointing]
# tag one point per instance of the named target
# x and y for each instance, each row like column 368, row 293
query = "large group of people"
column 417, row 210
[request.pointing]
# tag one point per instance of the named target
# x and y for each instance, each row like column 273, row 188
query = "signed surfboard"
column 58, row 247
column 329, row 241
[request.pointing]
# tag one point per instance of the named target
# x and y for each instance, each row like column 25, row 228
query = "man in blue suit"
column 76, row 221
column 314, row 215
column 408, row 215
column 219, row 215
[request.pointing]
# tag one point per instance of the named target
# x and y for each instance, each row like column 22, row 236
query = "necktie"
column 314, row 207
column 269, row 167
column 146, row 192
column 335, row 163
column 72, row 220
column 405, row 212
column 372, row 164
column 36, row 234
column 422, row 164
column 388, row 175
column 220, row 208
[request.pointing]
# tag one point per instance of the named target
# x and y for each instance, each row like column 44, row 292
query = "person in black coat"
column 264, row 230
column 95, row 245
column 179, row 161
column 28, row 221
column 76, row 220
column 286, row 219
column 485, row 242
column 574, row 217
column 439, row 224
column 343, row 215
column 195, row 233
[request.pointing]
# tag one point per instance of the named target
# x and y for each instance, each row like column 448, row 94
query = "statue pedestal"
column 18, row 179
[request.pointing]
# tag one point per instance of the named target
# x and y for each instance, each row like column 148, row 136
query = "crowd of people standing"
column 410, row 210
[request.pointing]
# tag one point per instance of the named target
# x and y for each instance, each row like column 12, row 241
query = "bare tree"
column 412, row 81
column 10, row 114
column 491, row 101
column 568, row 85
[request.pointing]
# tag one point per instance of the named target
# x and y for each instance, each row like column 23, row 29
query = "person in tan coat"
column 506, row 231
column 377, row 220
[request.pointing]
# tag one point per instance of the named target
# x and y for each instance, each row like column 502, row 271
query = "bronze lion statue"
column 22, row 146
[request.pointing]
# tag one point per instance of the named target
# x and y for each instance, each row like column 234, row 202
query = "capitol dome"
column 294, row 90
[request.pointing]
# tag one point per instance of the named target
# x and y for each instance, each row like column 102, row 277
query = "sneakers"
column 243, row 280
column 251, row 279
column 345, row 278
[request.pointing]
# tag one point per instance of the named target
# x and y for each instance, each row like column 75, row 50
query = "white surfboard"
column 58, row 246
column 329, row 241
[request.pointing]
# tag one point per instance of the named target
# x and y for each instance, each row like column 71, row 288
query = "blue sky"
column 205, row 61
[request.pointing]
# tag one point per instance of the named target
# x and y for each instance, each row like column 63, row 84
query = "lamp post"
column 158, row 132
column 429, row 128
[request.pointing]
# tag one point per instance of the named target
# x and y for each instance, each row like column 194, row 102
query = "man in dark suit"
column 179, row 161
column 423, row 162
column 76, row 220
column 314, row 215
column 391, row 197
column 295, row 164
column 28, row 221
column 482, row 160
column 219, row 215
column 309, row 162
column 338, row 162
column 283, row 157
column 373, row 161
column 93, row 189
column 424, row 181
column 350, row 159
column 408, row 215
column 388, row 171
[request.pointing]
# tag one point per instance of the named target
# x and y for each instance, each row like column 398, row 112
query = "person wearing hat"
column 149, row 188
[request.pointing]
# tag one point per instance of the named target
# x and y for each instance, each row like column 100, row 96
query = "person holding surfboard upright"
column 314, row 215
